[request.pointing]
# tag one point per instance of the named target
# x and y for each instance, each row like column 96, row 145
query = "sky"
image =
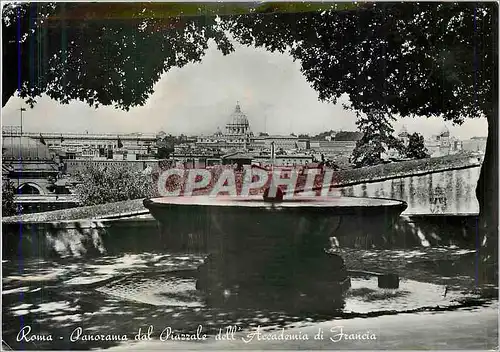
column 200, row 97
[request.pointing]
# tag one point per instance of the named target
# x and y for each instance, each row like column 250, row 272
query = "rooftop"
column 238, row 156
column 13, row 131
column 24, row 148
column 277, row 137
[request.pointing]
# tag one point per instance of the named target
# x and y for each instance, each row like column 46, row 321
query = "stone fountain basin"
column 273, row 247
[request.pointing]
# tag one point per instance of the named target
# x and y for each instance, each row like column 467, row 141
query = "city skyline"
column 199, row 98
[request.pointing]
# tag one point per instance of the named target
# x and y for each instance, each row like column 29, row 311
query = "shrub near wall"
column 8, row 192
column 113, row 183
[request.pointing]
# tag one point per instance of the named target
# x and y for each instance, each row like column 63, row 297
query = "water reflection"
column 458, row 187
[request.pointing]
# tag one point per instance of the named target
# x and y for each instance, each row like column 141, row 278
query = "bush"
column 106, row 184
column 377, row 138
column 8, row 193
column 416, row 147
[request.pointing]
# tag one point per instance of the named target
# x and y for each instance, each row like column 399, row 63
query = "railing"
column 46, row 198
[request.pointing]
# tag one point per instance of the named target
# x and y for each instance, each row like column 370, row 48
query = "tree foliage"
column 378, row 138
column 106, row 184
column 164, row 152
column 416, row 148
column 410, row 58
column 348, row 136
column 166, row 146
column 9, row 208
column 99, row 53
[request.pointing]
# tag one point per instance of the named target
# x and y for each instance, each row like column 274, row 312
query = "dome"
column 24, row 148
column 444, row 132
column 238, row 118
column 404, row 132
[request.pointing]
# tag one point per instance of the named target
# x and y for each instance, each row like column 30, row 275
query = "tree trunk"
column 487, row 195
column 487, row 187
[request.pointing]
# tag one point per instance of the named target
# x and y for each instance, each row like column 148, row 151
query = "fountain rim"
column 257, row 202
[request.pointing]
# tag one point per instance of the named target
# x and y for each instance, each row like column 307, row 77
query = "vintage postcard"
column 249, row 175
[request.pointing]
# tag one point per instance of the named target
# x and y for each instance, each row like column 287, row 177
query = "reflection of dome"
column 24, row 148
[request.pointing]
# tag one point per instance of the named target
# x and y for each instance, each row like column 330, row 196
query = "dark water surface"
column 133, row 282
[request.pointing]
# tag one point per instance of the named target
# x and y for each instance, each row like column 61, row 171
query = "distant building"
column 237, row 135
column 280, row 142
column 284, row 160
column 241, row 159
column 104, row 146
column 28, row 164
column 333, row 149
column 304, row 143
column 475, row 144
column 443, row 144
column 35, row 174
column 404, row 136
